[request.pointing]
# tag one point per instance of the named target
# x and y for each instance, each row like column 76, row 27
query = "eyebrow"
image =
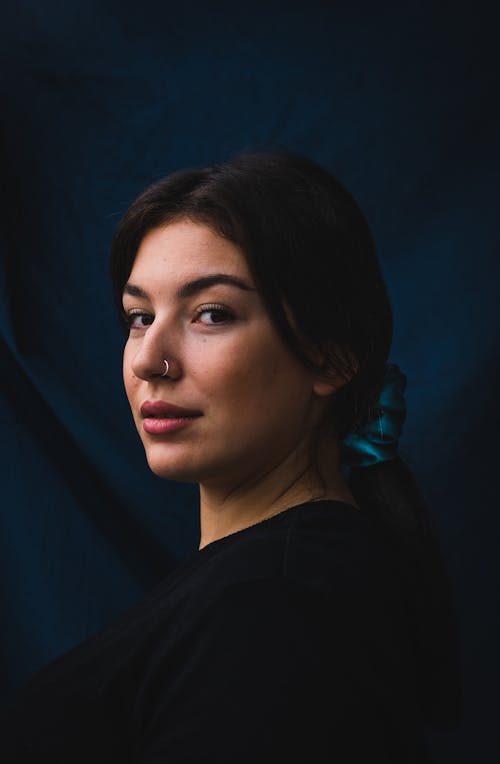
column 190, row 288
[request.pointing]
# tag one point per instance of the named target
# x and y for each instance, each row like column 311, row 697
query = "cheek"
column 254, row 376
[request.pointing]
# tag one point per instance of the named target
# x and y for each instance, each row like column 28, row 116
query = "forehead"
column 184, row 249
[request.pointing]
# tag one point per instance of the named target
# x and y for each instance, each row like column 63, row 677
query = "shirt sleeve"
column 274, row 671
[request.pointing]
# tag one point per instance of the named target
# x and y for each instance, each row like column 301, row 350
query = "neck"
column 225, row 509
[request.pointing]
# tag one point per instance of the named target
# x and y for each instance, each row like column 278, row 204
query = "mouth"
column 161, row 417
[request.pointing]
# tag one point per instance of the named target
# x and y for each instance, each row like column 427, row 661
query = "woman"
column 314, row 622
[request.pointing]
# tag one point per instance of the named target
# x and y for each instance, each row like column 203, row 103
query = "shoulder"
column 311, row 543
column 316, row 553
column 306, row 609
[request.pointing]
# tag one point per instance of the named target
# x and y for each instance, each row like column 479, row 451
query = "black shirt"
column 287, row 641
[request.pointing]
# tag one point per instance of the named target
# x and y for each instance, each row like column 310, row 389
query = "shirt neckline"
column 285, row 514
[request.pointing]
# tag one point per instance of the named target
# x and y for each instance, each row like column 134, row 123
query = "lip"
column 160, row 417
column 164, row 410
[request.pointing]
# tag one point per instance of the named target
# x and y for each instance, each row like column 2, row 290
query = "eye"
column 138, row 320
column 214, row 314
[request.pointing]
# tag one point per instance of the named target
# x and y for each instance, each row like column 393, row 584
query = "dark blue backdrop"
column 99, row 98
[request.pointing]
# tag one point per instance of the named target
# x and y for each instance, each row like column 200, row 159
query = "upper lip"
column 164, row 409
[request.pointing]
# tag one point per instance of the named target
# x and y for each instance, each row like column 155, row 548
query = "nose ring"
column 165, row 373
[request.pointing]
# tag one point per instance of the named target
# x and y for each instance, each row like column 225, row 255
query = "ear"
column 328, row 382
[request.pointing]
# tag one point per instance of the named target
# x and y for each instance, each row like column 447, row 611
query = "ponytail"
column 390, row 490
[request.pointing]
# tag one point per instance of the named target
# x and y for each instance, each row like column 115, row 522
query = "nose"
column 153, row 350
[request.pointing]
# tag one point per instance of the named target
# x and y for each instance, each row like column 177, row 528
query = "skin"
column 250, row 451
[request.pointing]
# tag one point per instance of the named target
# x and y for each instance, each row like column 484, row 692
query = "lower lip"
column 157, row 426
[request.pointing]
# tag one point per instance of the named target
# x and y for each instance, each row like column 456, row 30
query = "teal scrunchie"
column 377, row 440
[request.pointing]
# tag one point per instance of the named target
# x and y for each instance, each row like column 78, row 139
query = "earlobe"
column 324, row 386
column 331, row 380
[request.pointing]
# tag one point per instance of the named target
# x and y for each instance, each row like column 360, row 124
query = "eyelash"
column 215, row 308
column 133, row 314
column 209, row 308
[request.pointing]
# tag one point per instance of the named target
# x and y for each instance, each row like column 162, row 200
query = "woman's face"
column 249, row 402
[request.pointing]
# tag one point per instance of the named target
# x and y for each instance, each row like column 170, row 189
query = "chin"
column 172, row 466
column 168, row 471
column 187, row 465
